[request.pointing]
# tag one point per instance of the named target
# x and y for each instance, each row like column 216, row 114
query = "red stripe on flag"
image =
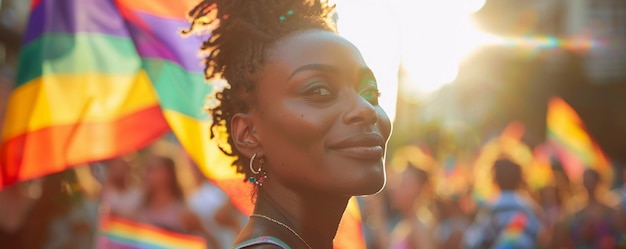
column 57, row 148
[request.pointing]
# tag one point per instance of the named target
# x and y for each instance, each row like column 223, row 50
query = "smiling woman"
column 301, row 114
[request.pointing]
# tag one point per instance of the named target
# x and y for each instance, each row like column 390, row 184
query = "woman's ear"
column 243, row 134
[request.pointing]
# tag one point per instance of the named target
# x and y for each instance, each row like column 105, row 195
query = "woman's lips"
column 364, row 146
column 363, row 152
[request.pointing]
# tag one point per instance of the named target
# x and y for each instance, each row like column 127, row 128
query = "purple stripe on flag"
column 157, row 38
column 164, row 41
column 73, row 16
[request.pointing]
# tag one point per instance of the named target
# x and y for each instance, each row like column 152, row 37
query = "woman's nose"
column 361, row 112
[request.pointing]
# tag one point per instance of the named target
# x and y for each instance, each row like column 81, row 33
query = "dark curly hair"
column 242, row 32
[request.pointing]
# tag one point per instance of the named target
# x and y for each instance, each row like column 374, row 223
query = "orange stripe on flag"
column 350, row 234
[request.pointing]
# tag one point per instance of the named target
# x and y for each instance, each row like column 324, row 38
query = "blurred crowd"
column 422, row 206
column 61, row 211
column 414, row 212
column 438, row 204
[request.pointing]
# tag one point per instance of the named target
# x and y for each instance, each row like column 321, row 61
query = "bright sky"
column 431, row 37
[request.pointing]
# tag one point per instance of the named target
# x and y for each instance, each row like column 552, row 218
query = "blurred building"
column 603, row 22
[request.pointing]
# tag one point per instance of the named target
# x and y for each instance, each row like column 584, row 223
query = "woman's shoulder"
column 262, row 242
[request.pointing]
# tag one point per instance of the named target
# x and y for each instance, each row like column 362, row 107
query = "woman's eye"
column 371, row 96
column 321, row 91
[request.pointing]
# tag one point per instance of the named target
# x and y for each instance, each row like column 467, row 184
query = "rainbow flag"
column 119, row 233
column 512, row 232
column 569, row 141
column 85, row 88
column 98, row 79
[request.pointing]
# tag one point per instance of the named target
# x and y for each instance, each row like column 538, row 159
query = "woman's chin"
column 369, row 187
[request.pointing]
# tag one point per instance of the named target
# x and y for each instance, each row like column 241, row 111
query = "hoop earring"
column 260, row 179
column 256, row 172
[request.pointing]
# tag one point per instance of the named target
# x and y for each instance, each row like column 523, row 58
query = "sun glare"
column 372, row 28
column 429, row 38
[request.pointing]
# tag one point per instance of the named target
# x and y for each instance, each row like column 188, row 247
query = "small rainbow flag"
column 512, row 232
column 121, row 233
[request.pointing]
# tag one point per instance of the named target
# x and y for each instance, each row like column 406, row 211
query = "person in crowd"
column 379, row 218
column 552, row 205
column 596, row 225
column 218, row 215
column 16, row 204
column 451, row 223
column 164, row 203
column 75, row 228
column 406, row 193
column 60, row 216
column 301, row 116
column 119, row 196
column 512, row 220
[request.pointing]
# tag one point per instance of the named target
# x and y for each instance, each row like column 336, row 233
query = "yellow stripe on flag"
column 194, row 135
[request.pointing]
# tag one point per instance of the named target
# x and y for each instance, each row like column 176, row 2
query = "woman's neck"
column 313, row 217
column 592, row 196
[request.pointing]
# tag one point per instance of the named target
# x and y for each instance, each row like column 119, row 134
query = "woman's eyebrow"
column 316, row 67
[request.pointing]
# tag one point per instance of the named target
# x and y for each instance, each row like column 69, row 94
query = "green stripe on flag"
column 56, row 53
column 584, row 155
column 178, row 89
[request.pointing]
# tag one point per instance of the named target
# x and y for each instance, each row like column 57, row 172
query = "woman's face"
column 317, row 117
column 405, row 191
column 156, row 173
column 118, row 169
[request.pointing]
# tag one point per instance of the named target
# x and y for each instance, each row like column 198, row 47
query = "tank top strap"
column 262, row 240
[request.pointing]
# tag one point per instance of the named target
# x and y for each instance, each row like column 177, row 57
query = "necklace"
column 282, row 224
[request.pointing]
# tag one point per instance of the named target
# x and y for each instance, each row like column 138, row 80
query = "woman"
column 118, row 193
column 218, row 215
column 451, row 223
column 406, row 194
column 164, row 203
column 301, row 114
